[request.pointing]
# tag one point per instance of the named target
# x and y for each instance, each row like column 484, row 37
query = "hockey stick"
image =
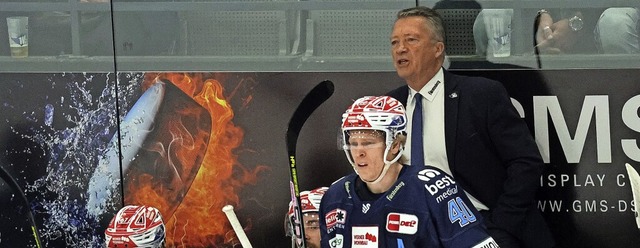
column 16, row 188
column 319, row 94
column 233, row 219
column 634, row 180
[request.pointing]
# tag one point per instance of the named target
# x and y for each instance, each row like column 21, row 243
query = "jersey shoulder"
column 436, row 184
column 339, row 188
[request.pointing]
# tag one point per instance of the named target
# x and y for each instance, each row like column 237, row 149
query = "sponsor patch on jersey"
column 364, row 237
column 336, row 242
column 395, row 190
column 438, row 183
column 335, row 218
column 402, row 223
column 427, row 174
column 487, row 243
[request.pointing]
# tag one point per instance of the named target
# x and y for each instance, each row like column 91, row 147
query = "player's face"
column 367, row 150
column 413, row 49
column 311, row 230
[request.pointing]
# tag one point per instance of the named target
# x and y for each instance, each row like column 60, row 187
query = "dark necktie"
column 417, row 149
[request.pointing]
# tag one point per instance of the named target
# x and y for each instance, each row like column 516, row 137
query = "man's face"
column 367, row 150
column 413, row 50
column 311, row 229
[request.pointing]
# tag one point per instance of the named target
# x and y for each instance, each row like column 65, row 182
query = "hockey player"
column 310, row 205
column 136, row 226
column 388, row 204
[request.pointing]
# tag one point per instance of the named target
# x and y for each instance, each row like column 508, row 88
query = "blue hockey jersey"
column 424, row 208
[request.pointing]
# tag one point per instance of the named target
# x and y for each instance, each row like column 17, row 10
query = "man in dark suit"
column 471, row 130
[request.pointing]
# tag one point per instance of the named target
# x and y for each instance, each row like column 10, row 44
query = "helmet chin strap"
column 387, row 164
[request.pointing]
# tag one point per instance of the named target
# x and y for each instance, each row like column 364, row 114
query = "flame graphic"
column 197, row 220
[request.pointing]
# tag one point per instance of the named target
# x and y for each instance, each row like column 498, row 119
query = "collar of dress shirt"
column 431, row 89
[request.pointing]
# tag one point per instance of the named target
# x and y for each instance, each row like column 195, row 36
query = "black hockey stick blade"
column 310, row 103
column 16, row 189
column 318, row 95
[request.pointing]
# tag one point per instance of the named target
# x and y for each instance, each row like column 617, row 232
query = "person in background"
column 309, row 204
column 468, row 127
column 136, row 226
column 612, row 31
column 385, row 203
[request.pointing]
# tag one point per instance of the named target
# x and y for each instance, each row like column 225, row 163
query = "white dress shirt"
column 434, row 142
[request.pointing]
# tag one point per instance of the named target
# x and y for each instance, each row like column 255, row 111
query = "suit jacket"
column 492, row 154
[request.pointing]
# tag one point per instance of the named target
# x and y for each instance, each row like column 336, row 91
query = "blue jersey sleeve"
column 456, row 220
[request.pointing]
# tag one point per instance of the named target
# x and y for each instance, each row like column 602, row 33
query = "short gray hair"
column 432, row 17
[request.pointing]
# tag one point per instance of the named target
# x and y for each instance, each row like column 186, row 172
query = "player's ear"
column 395, row 147
column 397, row 143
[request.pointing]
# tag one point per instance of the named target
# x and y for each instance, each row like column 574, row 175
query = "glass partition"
column 313, row 35
column 541, row 34
column 60, row 36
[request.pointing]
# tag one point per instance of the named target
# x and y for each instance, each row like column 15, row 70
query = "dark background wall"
column 56, row 127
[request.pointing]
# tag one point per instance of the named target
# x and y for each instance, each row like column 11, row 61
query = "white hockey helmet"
column 136, row 226
column 381, row 113
column 309, row 203
column 309, row 200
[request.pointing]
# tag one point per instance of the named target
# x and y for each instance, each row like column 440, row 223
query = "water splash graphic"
column 74, row 131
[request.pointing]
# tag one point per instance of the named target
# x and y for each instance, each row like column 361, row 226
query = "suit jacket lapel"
column 450, row 115
column 403, row 95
